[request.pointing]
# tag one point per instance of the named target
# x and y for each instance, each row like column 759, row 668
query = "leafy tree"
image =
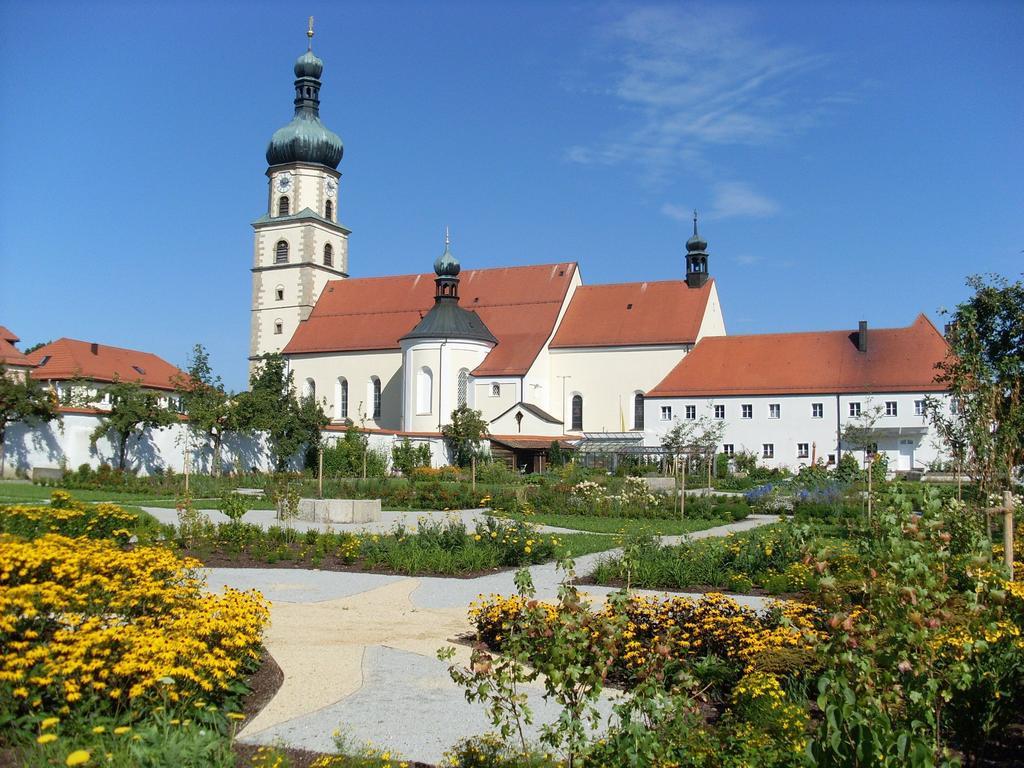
column 272, row 406
column 22, row 398
column 405, row 456
column 557, row 455
column 36, row 346
column 859, row 434
column 702, row 435
column 211, row 410
column 133, row 410
column 464, row 434
column 985, row 375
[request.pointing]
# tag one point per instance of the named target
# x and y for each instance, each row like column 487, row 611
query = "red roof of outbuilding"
column 69, row 359
column 896, row 360
column 626, row 314
column 9, row 354
column 519, row 305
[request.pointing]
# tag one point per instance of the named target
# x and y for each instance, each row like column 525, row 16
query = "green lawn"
column 616, row 525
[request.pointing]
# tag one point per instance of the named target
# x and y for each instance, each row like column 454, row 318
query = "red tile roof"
column 69, row 359
column 9, row 354
column 822, row 362
column 519, row 305
column 626, row 314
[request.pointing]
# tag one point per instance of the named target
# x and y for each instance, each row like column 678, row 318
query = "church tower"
column 299, row 243
column 696, row 258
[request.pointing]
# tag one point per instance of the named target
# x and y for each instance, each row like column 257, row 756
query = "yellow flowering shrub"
column 779, row 640
column 87, row 624
column 68, row 517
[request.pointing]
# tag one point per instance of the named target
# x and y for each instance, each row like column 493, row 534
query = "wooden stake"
column 320, row 472
column 472, row 461
column 186, row 461
column 1008, row 531
column 682, row 493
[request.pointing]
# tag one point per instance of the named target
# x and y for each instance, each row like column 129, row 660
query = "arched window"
column 328, row 256
column 577, row 413
column 638, row 411
column 281, row 252
column 463, row 391
column 495, row 390
column 375, row 396
column 341, row 398
column 283, row 206
column 309, row 389
column 424, row 390
column 329, row 211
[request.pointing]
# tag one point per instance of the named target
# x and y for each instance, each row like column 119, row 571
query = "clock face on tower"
column 332, row 187
column 284, row 182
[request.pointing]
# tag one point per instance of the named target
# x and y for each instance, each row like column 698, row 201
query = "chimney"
column 862, row 336
column 94, row 348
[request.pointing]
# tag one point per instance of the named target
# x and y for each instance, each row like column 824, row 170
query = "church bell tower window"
column 283, row 206
column 281, row 252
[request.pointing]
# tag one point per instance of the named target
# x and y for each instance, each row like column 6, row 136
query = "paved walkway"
column 358, row 652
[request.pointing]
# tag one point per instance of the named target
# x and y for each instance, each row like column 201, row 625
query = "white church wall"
column 608, row 378
column 509, row 392
column 538, row 384
column 916, row 448
column 713, row 322
column 357, row 368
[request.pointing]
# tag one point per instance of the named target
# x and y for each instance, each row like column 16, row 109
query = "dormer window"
column 329, row 211
column 281, row 252
column 44, row 360
column 283, row 206
column 138, row 370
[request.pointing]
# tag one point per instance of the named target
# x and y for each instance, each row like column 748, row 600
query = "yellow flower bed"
column 87, row 624
column 712, row 625
column 68, row 517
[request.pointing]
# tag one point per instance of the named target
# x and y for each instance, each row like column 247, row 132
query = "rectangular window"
column 803, row 450
column 919, row 408
column 666, row 413
column 768, row 451
column 747, row 411
column 719, row 411
column 855, row 409
column 280, row 294
column 890, row 407
column 774, row 411
column 728, row 449
column 817, row 410
column 691, row 411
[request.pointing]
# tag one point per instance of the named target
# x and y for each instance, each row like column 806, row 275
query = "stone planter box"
column 340, row 510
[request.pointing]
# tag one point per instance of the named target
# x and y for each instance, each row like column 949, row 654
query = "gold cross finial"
column 309, row 33
column 447, row 239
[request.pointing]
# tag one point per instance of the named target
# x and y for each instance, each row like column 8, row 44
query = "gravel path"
column 358, row 650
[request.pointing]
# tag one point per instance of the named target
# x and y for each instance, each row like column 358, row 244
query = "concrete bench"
column 340, row 510
column 248, row 491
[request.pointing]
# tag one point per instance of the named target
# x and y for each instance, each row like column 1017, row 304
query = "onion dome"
column 446, row 265
column 696, row 243
column 306, row 139
column 309, row 65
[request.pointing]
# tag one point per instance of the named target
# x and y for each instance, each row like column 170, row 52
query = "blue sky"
column 851, row 161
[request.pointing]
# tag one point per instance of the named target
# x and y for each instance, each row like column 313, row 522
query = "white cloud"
column 737, row 199
column 729, row 199
column 698, row 77
column 747, row 259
